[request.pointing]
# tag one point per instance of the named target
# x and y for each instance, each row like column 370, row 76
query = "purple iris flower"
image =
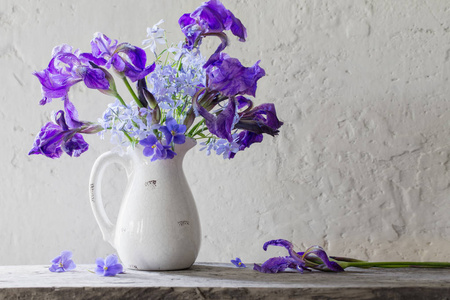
column 62, row 262
column 296, row 260
column 228, row 76
column 56, row 138
column 238, row 263
column 66, row 69
column 173, row 131
column 153, row 148
column 222, row 124
column 210, row 18
column 107, row 52
column 260, row 119
column 110, row 266
column 275, row 265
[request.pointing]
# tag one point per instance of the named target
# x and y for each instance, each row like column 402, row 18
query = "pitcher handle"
column 95, row 191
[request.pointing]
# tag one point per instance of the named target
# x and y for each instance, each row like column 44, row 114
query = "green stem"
column 130, row 89
column 394, row 264
column 128, row 136
column 120, row 99
column 194, row 128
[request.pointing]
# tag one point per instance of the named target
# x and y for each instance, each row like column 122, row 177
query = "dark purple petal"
column 167, row 134
column 101, row 45
column 170, row 154
column 75, row 145
column 189, row 29
column 137, row 55
column 238, row 29
column 222, row 124
column 260, row 119
column 320, row 253
column 136, row 74
column 48, row 141
column 228, row 76
column 54, row 138
column 288, row 245
column 245, row 139
column 186, row 20
column 54, row 85
column 87, row 57
column 94, row 78
column 280, row 242
column 61, row 121
column 118, row 63
column 216, row 55
column 210, row 18
column 273, row 265
column 71, row 113
column 66, row 69
column 244, row 102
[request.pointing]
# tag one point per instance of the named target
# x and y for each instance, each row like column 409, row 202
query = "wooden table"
column 223, row 281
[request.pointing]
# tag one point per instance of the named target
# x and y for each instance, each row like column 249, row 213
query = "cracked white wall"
column 360, row 166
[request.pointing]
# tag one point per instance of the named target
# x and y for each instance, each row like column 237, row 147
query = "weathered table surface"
column 223, row 281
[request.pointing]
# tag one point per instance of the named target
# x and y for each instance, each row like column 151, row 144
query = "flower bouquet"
column 177, row 96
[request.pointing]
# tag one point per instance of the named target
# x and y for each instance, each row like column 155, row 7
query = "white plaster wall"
column 361, row 165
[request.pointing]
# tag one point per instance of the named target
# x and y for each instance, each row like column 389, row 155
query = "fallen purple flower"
column 238, row 263
column 110, row 266
column 62, row 262
column 314, row 257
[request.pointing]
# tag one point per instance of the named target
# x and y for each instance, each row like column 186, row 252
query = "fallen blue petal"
column 238, row 263
column 62, row 262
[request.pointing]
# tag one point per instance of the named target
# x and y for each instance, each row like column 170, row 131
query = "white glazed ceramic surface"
column 158, row 227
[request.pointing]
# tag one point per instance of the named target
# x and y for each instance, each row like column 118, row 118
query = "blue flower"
column 173, row 131
column 62, row 262
column 238, row 263
column 153, row 148
column 108, row 267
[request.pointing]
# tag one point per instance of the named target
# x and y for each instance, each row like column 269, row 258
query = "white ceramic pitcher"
column 157, row 227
